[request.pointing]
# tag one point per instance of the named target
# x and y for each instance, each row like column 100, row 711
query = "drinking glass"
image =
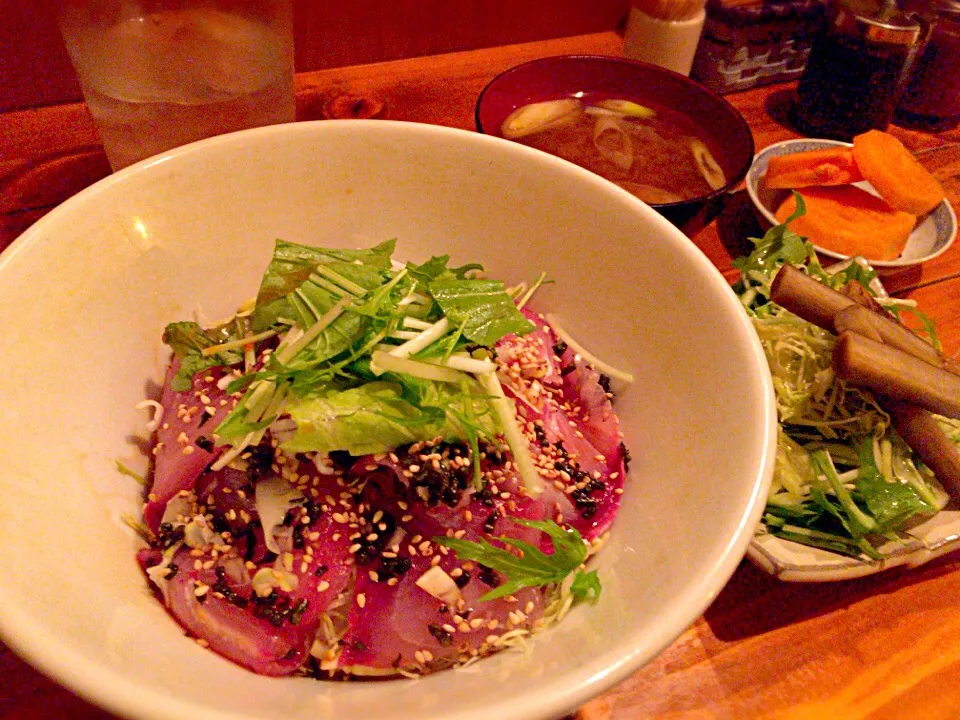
column 161, row 73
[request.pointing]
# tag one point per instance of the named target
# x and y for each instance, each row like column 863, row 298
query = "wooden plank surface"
column 881, row 647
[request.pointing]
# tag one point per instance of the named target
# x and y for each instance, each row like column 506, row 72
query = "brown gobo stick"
column 818, row 304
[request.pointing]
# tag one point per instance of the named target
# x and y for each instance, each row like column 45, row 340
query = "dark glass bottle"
column 932, row 98
column 857, row 69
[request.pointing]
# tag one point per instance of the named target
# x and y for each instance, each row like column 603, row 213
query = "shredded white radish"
column 153, row 423
column 240, row 342
column 597, row 363
column 529, row 293
column 233, row 453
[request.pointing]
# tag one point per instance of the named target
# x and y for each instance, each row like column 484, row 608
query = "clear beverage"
column 158, row 80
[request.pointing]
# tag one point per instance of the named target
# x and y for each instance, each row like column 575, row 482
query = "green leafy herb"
column 531, row 567
column 324, row 313
column 188, row 340
column 482, row 307
column 379, row 416
column 779, row 245
column 291, row 268
column 586, row 586
column 890, row 503
column 436, row 267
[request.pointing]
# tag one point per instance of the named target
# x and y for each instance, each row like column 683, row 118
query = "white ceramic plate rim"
column 116, row 693
column 753, row 178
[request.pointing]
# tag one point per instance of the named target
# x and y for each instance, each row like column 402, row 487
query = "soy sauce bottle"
column 857, row 69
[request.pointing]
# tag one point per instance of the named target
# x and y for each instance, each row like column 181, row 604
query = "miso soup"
column 653, row 152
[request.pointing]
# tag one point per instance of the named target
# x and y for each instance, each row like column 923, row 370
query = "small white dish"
column 798, row 563
column 933, row 235
column 794, row 562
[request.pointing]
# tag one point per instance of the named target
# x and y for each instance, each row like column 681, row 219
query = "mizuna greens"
column 844, row 480
column 369, row 357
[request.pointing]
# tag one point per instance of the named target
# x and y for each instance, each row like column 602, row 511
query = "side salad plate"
column 849, row 497
column 798, row 563
column 931, row 237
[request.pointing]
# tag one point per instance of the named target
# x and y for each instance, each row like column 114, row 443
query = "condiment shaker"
column 664, row 32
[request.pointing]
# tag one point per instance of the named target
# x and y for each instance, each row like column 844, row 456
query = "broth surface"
column 656, row 163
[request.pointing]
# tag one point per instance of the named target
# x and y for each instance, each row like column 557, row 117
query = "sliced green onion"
column 312, row 332
column 238, row 343
column 381, row 362
column 519, row 446
column 347, row 284
column 425, row 339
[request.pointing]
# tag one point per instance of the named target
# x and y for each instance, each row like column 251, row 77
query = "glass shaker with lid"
column 932, row 98
column 857, row 68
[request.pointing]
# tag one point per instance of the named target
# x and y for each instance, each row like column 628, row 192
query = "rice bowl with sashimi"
column 86, row 294
column 376, row 469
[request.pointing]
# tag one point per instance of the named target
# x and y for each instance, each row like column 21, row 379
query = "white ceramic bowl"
column 86, row 292
column 935, row 231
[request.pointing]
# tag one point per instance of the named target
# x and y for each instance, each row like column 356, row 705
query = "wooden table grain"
column 886, row 646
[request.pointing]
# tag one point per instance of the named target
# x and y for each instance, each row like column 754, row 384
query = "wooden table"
column 887, row 646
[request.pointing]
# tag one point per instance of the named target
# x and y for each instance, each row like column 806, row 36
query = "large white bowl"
column 86, row 292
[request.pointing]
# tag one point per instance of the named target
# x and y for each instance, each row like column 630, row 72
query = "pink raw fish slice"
column 178, row 459
column 402, row 626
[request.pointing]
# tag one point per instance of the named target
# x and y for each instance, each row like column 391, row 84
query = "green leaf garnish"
column 535, row 568
column 380, row 416
column 188, row 340
column 586, row 586
column 481, row 307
